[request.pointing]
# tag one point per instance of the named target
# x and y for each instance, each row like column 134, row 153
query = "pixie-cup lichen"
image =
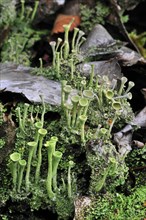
column 42, row 133
column 22, row 165
column 14, row 157
column 31, row 145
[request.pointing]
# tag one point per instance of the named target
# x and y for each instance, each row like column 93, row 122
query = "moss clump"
column 117, row 206
column 94, row 15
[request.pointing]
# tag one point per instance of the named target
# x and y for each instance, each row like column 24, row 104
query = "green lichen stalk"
column 38, row 125
column 42, row 133
column 53, row 44
column 76, row 30
column 34, row 10
column 70, row 165
column 22, row 165
column 116, row 106
column 20, row 119
column 58, row 64
column 101, row 181
column 123, row 81
column 74, row 100
column 26, row 106
column 59, row 40
column 89, row 95
column 68, row 108
column 72, row 68
column 82, row 120
column 77, row 44
column 67, row 90
column 44, row 110
column 66, row 40
column 130, row 86
column 32, row 146
column 15, row 157
column 54, row 139
column 22, row 9
column 57, row 155
column 50, row 149
column 83, row 103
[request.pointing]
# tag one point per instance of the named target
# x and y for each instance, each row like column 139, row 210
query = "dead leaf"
column 65, row 19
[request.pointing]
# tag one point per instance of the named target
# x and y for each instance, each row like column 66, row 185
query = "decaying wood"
column 123, row 138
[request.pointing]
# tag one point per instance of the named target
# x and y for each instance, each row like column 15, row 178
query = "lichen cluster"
column 56, row 160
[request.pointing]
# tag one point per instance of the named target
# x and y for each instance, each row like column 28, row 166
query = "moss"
column 8, row 13
column 94, row 15
column 21, row 35
column 64, row 207
column 117, row 206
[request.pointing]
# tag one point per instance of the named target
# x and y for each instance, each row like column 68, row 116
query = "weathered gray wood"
column 110, row 68
column 18, row 79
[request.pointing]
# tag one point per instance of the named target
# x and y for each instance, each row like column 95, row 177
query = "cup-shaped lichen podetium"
column 67, row 90
column 42, row 133
column 57, row 64
column 82, row 120
column 82, row 105
column 57, row 155
column 26, row 106
column 76, row 30
column 70, row 165
column 50, row 149
column 52, row 142
column 77, row 44
column 15, row 157
column 31, row 146
column 116, row 106
column 54, row 139
column 22, row 165
column 38, row 125
column 109, row 94
column 74, row 100
column 53, row 44
column 68, row 108
column 123, row 81
column 89, row 94
column 102, row 133
column 66, row 40
column 130, row 86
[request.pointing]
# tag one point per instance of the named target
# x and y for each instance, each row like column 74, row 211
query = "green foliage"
column 140, row 41
column 21, row 36
column 108, row 169
column 2, row 110
column 117, row 206
column 17, row 47
column 4, row 217
column 2, row 143
column 92, row 16
column 136, row 160
column 26, row 133
column 8, row 12
column 137, row 157
column 64, row 206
